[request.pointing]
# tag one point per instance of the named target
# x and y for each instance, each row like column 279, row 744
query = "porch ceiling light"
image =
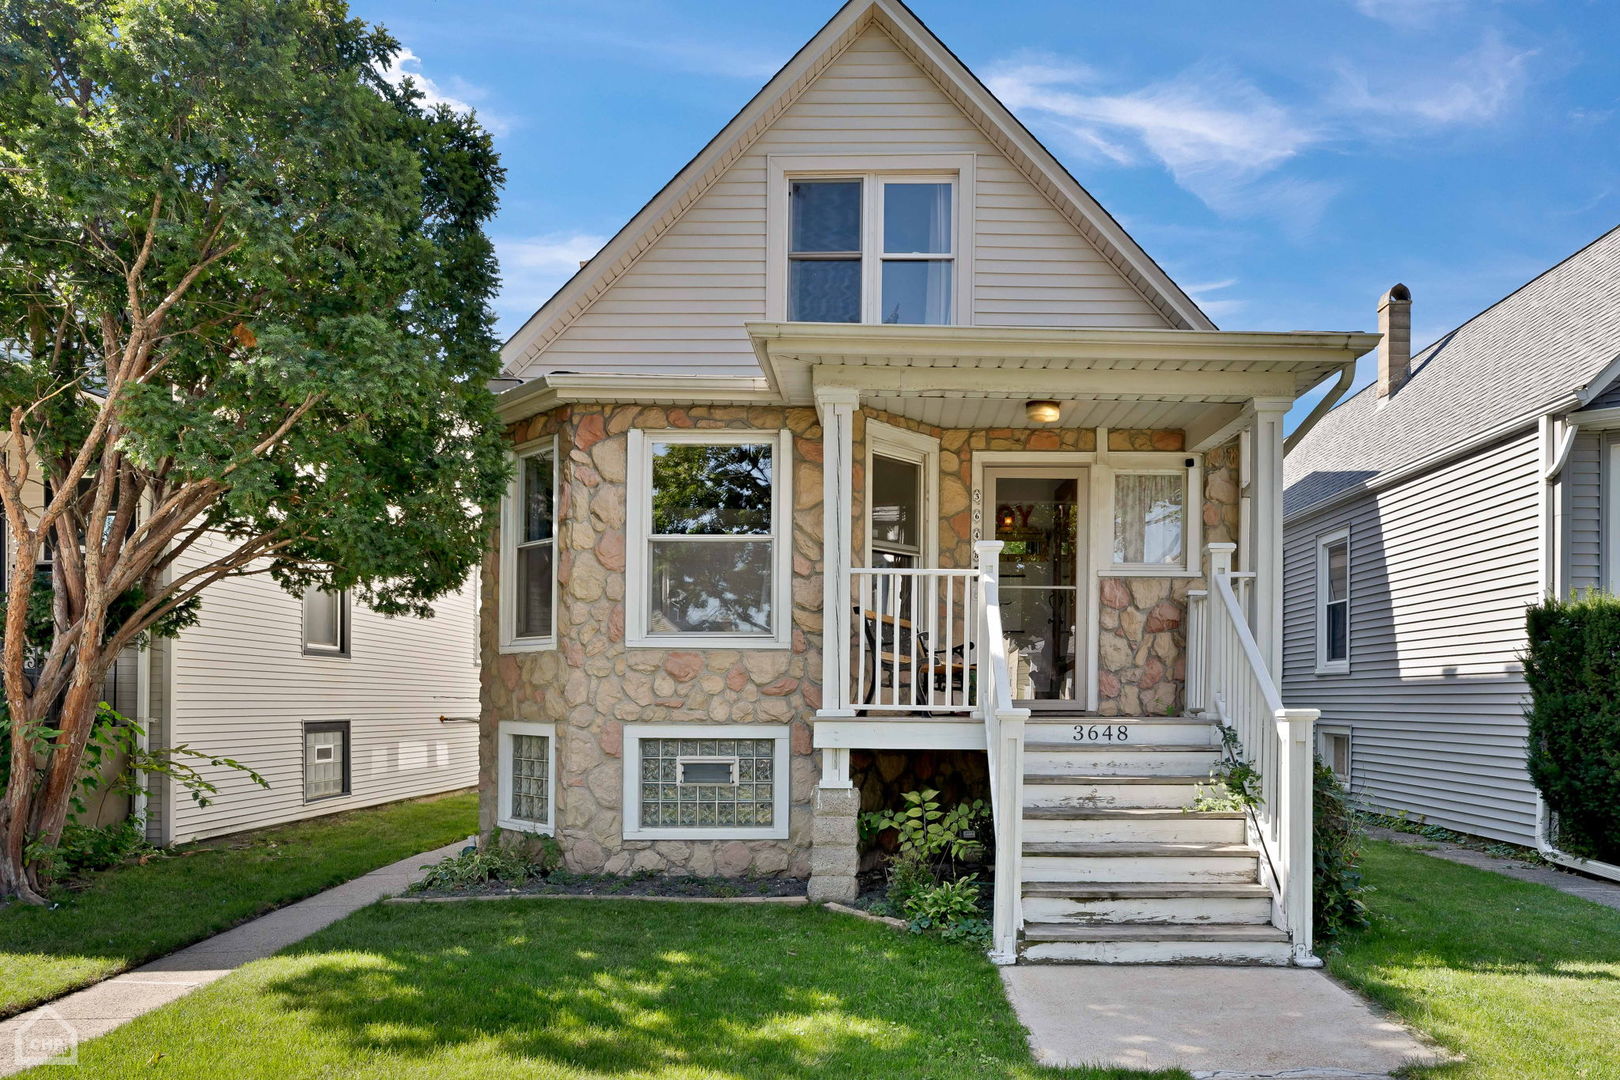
column 1042, row 412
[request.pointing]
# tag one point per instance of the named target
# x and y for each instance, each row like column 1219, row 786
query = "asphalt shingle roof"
column 1528, row 351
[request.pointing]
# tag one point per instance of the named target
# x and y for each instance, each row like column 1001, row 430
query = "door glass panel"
column 1037, row 518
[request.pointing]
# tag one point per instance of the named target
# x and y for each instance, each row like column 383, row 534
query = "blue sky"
column 1285, row 162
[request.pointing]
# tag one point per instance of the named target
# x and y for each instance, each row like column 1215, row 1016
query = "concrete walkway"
column 98, row 1009
column 1224, row 1023
column 1594, row 889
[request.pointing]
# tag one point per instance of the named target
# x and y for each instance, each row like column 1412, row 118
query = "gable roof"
column 970, row 95
column 1548, row 346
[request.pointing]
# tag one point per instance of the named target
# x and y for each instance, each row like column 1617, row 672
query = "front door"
column 1039, row 515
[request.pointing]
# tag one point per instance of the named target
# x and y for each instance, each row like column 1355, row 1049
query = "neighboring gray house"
column 1423, row 514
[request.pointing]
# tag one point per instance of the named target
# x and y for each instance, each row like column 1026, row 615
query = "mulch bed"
column 566, row 884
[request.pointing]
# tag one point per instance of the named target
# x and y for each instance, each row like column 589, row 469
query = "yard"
column 1524, row 981
column 128, row 915
column 576, row 988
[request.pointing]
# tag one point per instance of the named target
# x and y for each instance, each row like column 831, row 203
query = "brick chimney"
column 1395, row 351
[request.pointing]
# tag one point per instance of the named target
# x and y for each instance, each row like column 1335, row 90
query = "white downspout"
column 1347, row 375
column 1556, row 443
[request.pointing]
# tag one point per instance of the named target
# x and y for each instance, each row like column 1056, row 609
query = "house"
column 873, row 454
column 336, row 706
column 1423, row 515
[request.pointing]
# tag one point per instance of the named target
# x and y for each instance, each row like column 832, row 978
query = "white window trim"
column 638, row 533
column 503, row 778
column 1324, row 666
column 886, row 440
column 781, row 168
column 1610, row 501
column 634, row 733
column 341, row 651
column 1349, row 736
column 508, row 641
column 1154, row 462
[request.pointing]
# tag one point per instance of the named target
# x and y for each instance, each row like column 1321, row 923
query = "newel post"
column 1297, row 785
column 836, row 407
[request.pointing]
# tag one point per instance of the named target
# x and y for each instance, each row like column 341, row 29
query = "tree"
column 244, row 329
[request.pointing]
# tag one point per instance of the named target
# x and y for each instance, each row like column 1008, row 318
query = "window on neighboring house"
column 709, row 538
column 326, row 760
column 871, row 249
column 1333, row 747
column 528, row 553
column 526, row 782
column 688, row 781
column 1150, row 519
column 326, row 622
column 1333, row 603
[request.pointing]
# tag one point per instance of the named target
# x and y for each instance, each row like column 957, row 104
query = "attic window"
column 872, row 248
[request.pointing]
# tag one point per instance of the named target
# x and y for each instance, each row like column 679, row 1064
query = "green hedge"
column 1573, row 667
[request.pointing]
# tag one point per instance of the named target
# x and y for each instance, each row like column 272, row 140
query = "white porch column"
column 836, row 406
column 1266, row 518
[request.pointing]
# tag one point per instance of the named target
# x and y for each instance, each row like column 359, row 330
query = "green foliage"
column 926, row 830
column 85, row 849
column 1235, row 782
column 1572, row 664
column 943, row 903
column 506, row 864
column 1337, row 888
column 909, row 875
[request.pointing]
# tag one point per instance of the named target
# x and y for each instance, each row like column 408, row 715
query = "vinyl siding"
column 1442, row 567
column 1581, row 508
column 242, row 688
column 158, row 816
column 681, row 307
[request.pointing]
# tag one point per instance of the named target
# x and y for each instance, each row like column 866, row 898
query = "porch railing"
column 1004, row 748
column 917, row 640
column 1227, row 677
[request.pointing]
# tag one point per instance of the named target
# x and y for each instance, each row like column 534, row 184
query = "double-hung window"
column 872, row 248
column 708, row 550
column 1333, row 603
column 528, row 552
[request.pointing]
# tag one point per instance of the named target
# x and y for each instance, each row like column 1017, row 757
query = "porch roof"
column 969, row 376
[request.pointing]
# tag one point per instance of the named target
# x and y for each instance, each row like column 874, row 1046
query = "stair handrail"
column 1004, row 750
column 1238, row 687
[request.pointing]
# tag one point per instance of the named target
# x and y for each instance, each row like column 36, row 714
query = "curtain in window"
column 1149, row 518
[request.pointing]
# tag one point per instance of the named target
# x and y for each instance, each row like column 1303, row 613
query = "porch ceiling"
column 980, row 376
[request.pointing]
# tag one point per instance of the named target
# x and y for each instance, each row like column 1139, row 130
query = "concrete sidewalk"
column 98, row 1009
column 1594, row 889
column 1224, row 1023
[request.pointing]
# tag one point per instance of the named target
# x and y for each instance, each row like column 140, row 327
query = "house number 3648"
column 1101, row 733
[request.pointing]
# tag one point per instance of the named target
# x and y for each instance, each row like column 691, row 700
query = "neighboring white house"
column 871, row 454
column 1425, row 513
column 334, row 705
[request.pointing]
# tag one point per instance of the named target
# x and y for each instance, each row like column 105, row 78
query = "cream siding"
column 1581, row 508
column 1442, row 567
column 681, row 307
column 242, row 688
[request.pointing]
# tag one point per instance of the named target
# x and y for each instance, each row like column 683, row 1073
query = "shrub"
column 492, row 863
column 922, row 828
column 1336, row 884
column 1573, row 667
column 85, row 849
column 909, row 875
column 943, row 905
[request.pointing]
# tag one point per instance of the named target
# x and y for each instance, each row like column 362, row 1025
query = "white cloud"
column 1410, row 14
column 724, row 58
column 534, row 267
column 1215, row 307
column 459, row 95
column 1473, row 89
column 1216, row 132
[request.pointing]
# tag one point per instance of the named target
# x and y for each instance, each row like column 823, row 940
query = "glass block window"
column 708, row 783
column 531, row 775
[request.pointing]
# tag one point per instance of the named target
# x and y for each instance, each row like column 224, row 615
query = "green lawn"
column 569, row 989
column 1522, row 980
column 133, row 913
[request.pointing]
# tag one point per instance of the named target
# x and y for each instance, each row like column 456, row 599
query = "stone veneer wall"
column 1142, row 642
column 591, row 684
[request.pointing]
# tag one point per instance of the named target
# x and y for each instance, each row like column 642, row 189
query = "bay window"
column 528, row 552
column 708, row 546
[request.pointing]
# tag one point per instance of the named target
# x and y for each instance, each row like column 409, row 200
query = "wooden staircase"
column 1116, row 869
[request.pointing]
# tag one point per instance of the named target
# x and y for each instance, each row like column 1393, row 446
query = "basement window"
column 1333, row 747
column 691, row 781
column 526, row 777
column 326, row 760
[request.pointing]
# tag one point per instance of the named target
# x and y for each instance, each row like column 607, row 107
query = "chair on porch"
column 901, row 654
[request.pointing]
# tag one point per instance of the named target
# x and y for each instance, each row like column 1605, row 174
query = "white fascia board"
column 549, row 391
